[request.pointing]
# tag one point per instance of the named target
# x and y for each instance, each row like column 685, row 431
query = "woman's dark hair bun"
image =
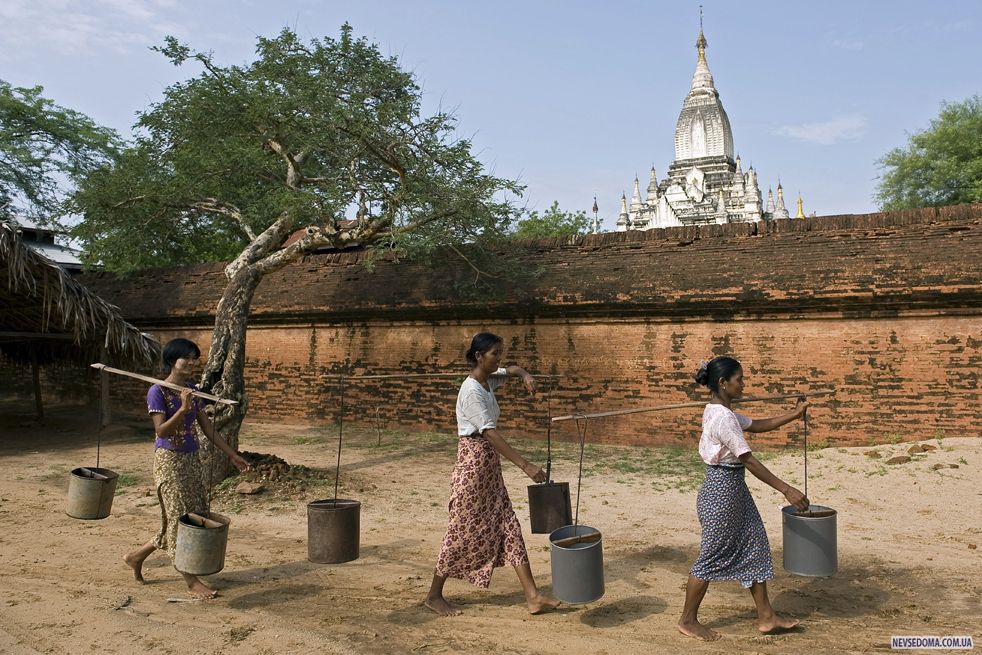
column 711, row 372
column 481, row 343
column 702, row 375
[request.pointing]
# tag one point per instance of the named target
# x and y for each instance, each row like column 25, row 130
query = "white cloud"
column 958, row 26
column 848, row 44
column 77, row 29
column 845, row 128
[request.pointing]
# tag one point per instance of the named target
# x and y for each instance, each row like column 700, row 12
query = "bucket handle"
column 102, row 418
column 337, row 470
column 804, row 417
column 579, row 478
column 549, row 436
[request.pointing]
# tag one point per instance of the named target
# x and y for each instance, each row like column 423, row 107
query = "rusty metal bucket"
column 550, row 507
column 333, row 530
column 90, row 492
column 201, row 548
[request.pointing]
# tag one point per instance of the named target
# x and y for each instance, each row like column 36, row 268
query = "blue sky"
column 573, row 98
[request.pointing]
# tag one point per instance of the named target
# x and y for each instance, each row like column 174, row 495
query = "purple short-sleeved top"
column 168, row 402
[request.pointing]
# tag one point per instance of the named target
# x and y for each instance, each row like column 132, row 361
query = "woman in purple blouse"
column 177, row 469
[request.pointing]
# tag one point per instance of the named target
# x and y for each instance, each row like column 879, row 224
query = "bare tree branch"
column 268, row 241
column 128, row 201
column 225, row 209
column 315, row 237
column 294, row 178
column 471, row 264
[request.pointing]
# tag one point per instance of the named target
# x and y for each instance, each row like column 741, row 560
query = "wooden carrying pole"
column 395, row 376
column 164, row 383
column 638, row 410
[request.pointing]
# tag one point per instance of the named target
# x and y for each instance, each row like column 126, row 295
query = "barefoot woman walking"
column 484, row 532
column 177, row 470
column 734, row 545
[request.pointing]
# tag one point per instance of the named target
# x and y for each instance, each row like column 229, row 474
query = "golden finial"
column 701, row 41
column 801, row 208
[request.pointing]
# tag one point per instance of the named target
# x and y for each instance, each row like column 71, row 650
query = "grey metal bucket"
column 810, row 542
column 201, row 550
column 91, row 496
column 578, row 569
column 549, row 506
column 333, row 530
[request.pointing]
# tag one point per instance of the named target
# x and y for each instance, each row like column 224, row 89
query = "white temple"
column 705, row 184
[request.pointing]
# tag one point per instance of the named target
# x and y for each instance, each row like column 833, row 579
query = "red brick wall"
column 887, row 308
column 914, row 377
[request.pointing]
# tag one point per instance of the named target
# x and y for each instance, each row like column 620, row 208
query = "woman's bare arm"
column 531, row 470
column 764, row 474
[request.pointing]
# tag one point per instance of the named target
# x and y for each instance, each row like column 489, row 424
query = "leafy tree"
column 553, row 222
column 941, row 165
column 327, row 136
column 43, row 149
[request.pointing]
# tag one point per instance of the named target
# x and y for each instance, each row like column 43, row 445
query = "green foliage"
column 326, row 134
column 44, row 148
column 940, row 166
column 553, row 222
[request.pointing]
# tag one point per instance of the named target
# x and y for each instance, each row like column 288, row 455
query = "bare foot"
column 776, row 624
column 440, row 605
column 198, row 589
column 697, row 630
column 542, row 602
column 137, row 565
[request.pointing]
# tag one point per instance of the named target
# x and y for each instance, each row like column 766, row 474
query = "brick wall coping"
column 861, row 265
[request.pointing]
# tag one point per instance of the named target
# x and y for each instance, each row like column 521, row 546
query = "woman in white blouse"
column 483, row 531
column 734, row 544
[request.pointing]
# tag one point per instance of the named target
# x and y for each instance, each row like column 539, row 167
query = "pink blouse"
column 722, row 440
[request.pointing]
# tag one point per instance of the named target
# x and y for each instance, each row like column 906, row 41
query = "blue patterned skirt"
column 734, row 544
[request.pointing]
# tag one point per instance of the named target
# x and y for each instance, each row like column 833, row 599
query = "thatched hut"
column 49, row 319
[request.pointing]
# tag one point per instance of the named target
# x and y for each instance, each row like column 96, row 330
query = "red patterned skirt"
column 483, row 532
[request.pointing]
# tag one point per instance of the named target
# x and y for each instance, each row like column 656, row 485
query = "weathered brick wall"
column 884, row 307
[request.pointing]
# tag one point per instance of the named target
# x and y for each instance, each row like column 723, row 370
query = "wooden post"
column 36, row 374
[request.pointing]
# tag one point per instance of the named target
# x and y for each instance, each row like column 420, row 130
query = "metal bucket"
column 200, row 549
column 549, row 506
column 810, row 546
column 578, row 569
column 91, row 496
column 333, row 529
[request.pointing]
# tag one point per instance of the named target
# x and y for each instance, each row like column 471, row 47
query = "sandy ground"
column 908, row 564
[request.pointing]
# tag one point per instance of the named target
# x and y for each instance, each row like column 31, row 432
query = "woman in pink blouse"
column 734, row 544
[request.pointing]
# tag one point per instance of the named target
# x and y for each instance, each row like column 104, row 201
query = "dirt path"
column 906, row 537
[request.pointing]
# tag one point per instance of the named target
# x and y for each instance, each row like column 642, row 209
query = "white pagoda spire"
column 636, row 196
column 751, row 201
column 703, row 129
column 780, row 211
column 623, row 220
column 702, row 78
column 653, row 187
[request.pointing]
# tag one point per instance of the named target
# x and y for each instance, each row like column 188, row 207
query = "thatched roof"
column 44, row 309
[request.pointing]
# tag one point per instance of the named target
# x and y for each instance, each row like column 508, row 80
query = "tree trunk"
column 224, row 373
